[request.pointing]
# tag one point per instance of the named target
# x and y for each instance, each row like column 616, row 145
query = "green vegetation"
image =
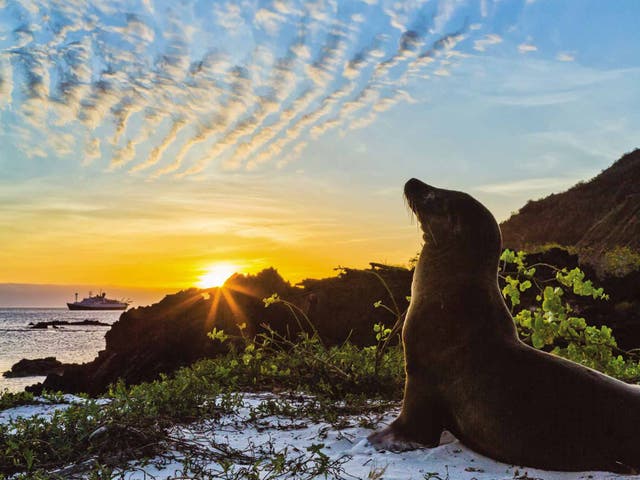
column 137, row 421
column 334, row 384
column 620, row 261
column 10, row 399
column 552, row 325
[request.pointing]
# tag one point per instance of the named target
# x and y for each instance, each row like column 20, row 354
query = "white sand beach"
column 243, row 433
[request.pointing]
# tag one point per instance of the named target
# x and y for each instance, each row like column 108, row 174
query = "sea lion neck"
column 441, row 263
column 437, row 272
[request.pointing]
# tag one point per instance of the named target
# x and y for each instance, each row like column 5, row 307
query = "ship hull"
column 74, row 306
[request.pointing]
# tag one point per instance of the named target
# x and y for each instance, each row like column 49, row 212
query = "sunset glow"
column 217, row 274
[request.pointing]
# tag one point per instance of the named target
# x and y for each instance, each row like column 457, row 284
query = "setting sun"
column 217, row 274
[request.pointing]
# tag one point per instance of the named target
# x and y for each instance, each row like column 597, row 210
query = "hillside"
column 593, row 217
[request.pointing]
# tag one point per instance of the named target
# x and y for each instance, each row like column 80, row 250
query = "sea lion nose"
column 415, row 187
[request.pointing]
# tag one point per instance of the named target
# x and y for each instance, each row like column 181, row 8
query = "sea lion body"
column 467, row 371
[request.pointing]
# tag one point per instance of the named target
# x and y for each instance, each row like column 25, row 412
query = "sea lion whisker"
column 408, row 205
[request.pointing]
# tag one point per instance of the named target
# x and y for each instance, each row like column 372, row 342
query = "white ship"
column 97, row 302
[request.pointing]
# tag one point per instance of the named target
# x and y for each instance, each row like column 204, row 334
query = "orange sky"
column 135, row 237
column 110, row 230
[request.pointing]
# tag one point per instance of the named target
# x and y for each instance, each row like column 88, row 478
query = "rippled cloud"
column 176, row 89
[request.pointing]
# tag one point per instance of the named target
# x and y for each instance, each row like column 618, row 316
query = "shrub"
column 550, row 324
column 621, row 261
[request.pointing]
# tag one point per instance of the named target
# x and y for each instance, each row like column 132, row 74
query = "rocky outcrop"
column 148, row 341
column 35, row 367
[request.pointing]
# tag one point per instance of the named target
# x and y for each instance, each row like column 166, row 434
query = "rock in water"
column 35, row 367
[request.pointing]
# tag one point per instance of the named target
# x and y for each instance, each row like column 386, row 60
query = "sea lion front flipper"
column 420, row 424
column 392, row 440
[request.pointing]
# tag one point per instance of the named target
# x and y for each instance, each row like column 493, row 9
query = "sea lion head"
column 454, row 223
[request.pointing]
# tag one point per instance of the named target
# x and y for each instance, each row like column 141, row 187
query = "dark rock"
column 42, row 325
column 35, row 367
column 58, row 323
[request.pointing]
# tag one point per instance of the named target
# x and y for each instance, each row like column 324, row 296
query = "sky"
column 142, row 142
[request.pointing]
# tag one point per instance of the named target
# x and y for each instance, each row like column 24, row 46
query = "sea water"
column 69, row 343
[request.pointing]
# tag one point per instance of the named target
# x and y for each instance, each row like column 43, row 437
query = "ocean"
column 67, row 343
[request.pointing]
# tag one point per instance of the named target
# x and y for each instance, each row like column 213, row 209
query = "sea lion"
column 467, row 371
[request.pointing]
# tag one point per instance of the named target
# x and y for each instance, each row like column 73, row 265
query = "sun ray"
column 242, row 289
column 216, row 275
column 184, row 304
column 239, row 316
column 213, row 310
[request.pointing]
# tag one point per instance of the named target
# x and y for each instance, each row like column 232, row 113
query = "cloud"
column 565, row 57
column 371, row 98
column 292, row 120
column 526, row 187
column 127, row 153
column 123, row 155
column 446, row 10
column 294, row 155
column 36, row 74
column 135, row 31
column 97, row 105
column 490, row 39
column 201, row 136
column 157, row 152
column 123, row 112
column 331, row 55
column 6, row 82
column 526, row 48
column 220, row 75
column 229, row 15
column 269, row 20
column 221, row 145
column 62, row 144
column 483, row 8
column 91, row 151
column 367, row 99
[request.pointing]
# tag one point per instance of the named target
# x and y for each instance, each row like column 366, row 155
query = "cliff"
column 592, row 217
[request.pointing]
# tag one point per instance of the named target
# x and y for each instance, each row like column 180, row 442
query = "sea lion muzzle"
column 420, row 196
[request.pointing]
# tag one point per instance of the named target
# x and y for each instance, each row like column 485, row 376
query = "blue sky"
column 196, row 132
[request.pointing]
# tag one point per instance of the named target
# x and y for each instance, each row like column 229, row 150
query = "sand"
column 268, row 436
